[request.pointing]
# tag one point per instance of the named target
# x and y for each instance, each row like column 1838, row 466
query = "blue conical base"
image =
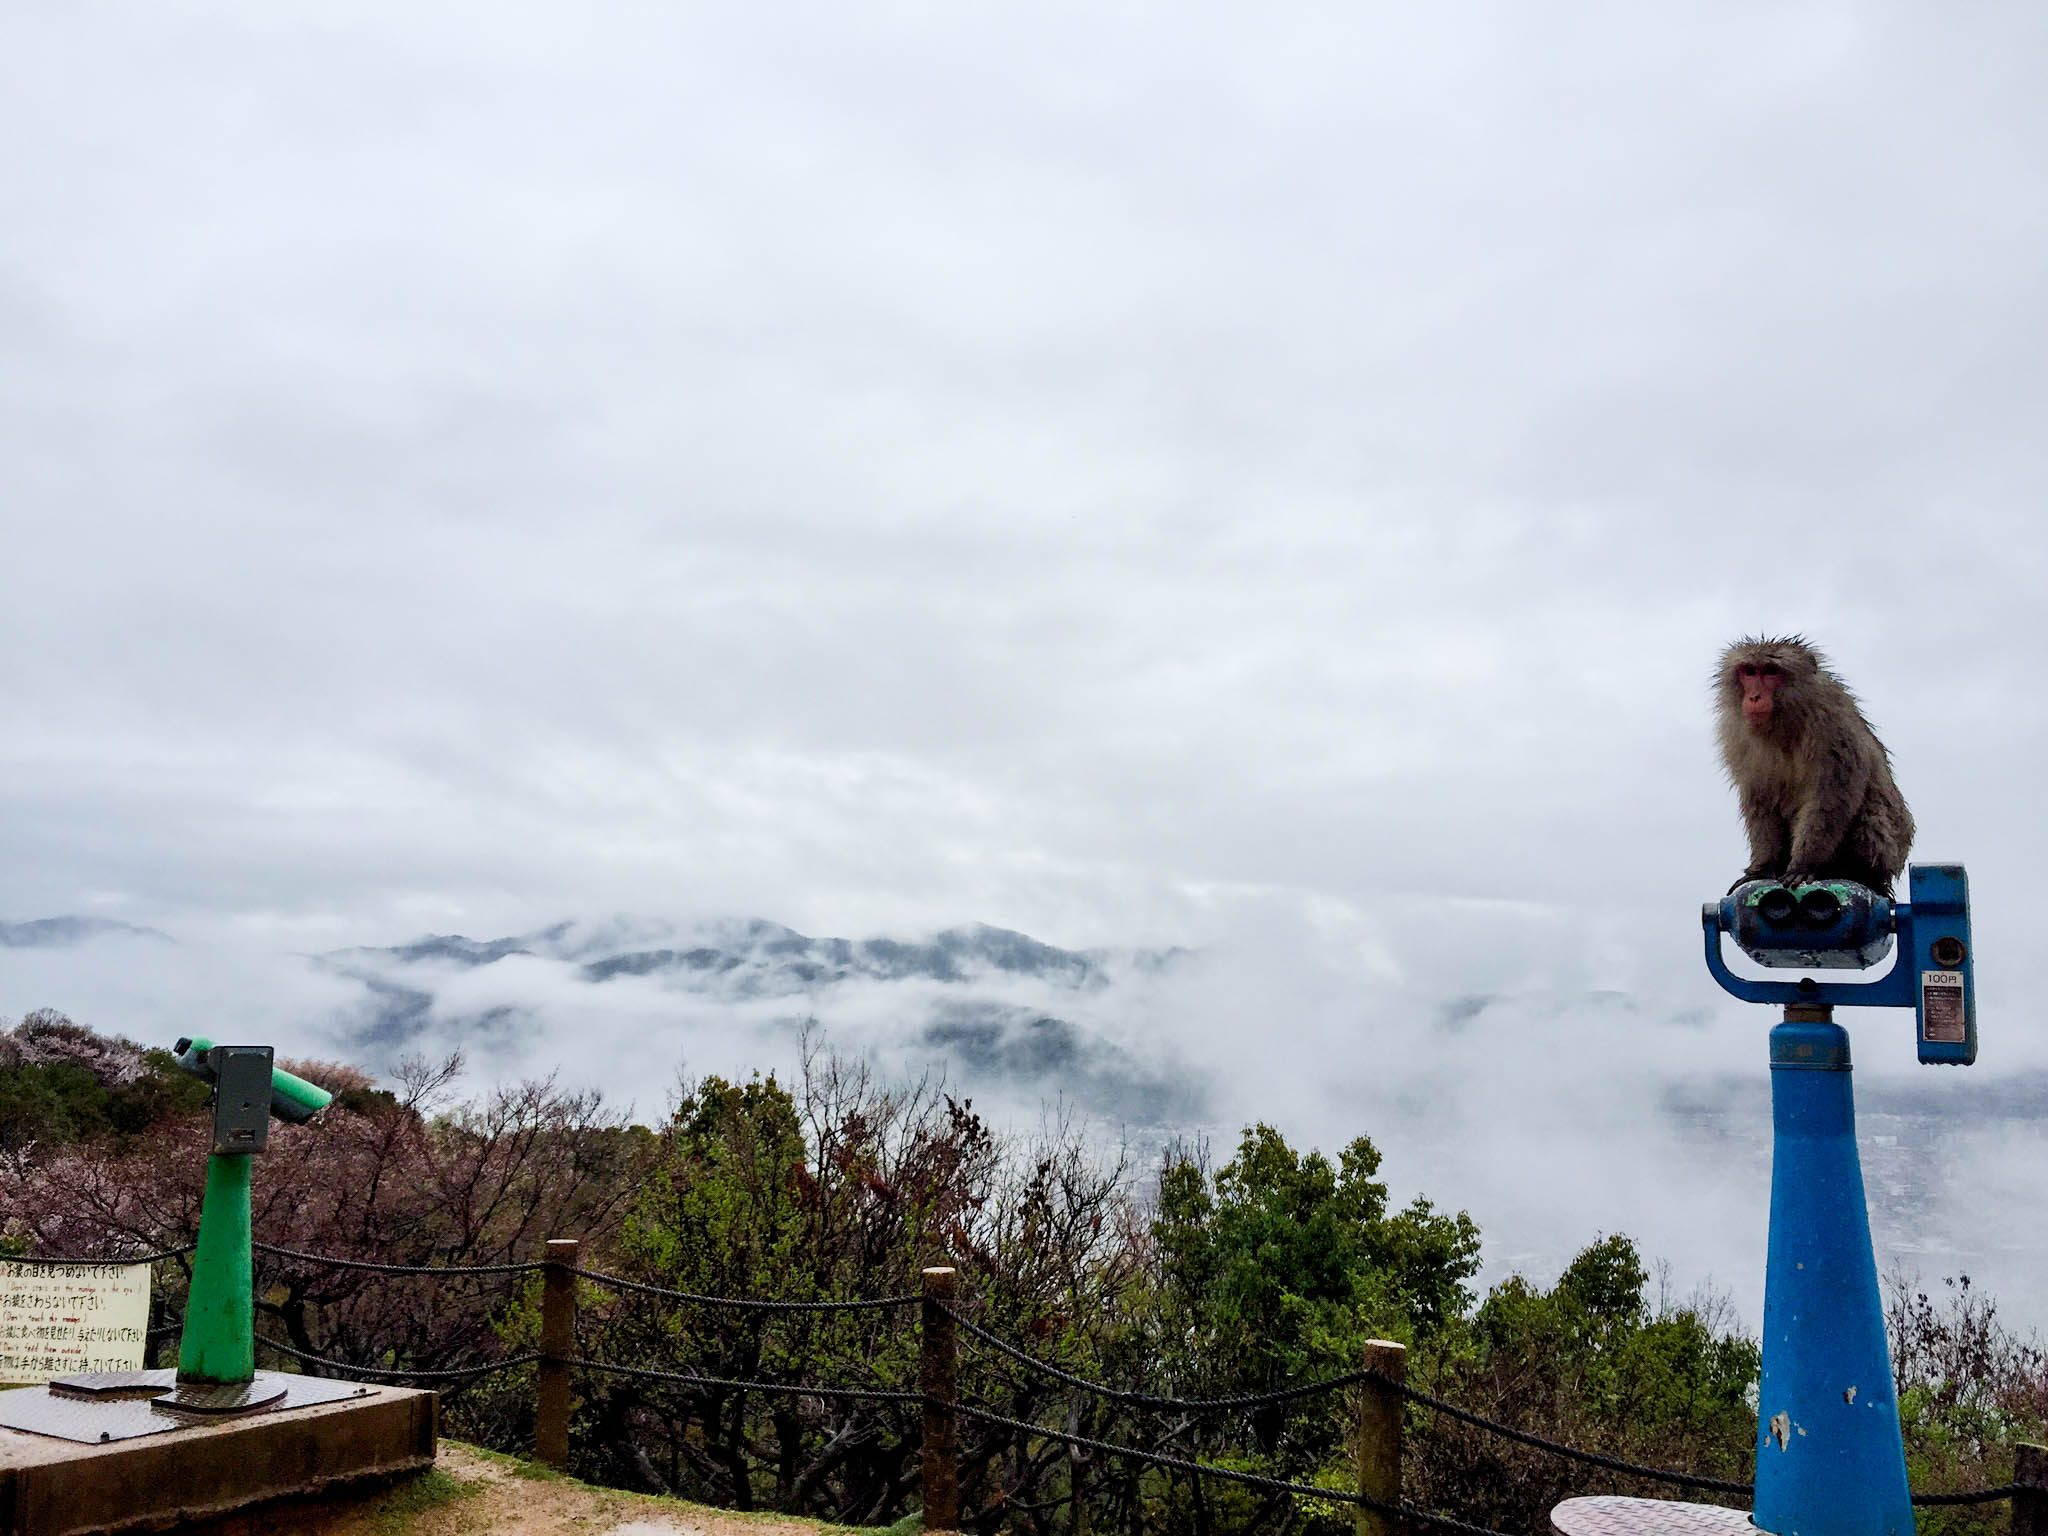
column 1829, row 1459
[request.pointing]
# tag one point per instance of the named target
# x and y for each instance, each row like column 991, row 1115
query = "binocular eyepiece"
column 1819, row 925
column 1815, row 907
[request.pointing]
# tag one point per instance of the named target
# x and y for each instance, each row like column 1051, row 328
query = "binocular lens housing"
column 1841, row 925
column 1824, row 925
column 1819, row 906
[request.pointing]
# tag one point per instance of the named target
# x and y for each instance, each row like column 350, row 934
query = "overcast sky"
column 1137, row 475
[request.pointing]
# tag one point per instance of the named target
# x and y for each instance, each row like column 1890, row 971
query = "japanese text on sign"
column 60, row 1319
column 1941, row 1007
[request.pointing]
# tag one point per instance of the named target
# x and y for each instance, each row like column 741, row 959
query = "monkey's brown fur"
column 1814, row 781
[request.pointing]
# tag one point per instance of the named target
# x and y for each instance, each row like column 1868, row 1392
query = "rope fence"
column 1974, row 1495
column 1145, row 1400
column 1571, row 1452
column 942, row 1406
column 740, row 1303
column 780, row 1388
column 527, row 1268
column 343, row 1369
column 1226, row 1474
column 135, row 1258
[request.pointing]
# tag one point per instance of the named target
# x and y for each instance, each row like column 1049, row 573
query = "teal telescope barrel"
column 292, row 1098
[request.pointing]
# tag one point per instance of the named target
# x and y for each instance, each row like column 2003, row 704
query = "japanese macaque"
column 1814, row 781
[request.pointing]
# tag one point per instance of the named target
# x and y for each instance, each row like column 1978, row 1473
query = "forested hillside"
column 1199, row 1278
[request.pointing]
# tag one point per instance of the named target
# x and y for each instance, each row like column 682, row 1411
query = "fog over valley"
column 1551, row 1114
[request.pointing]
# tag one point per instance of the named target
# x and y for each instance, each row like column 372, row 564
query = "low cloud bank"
column 1551, row 1109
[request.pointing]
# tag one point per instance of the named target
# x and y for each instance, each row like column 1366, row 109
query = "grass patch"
column 482, row 1452
column 409, row 1500
column 613, row 1504
column 518, row 1466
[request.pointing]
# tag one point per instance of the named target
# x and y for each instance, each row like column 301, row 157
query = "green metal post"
column 219, row 1341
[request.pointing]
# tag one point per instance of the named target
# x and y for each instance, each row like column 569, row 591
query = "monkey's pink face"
column 1759, row 682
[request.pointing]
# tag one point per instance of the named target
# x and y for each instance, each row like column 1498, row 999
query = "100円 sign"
column 60, row 1319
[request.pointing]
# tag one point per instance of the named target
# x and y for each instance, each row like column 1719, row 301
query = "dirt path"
column 471, row 1492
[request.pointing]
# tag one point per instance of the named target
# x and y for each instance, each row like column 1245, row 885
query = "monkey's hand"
column 1755, row 872
column 1792, row 879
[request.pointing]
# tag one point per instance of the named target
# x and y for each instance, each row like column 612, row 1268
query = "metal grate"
column 1611, row 1516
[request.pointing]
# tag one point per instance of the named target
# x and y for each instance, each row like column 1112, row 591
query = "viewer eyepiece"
column 1820, row 906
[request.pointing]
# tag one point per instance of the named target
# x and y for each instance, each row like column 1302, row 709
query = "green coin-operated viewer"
column 218, row 1347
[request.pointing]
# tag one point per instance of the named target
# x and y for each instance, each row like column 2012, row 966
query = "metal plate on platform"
column 211, row 1402
column 1610, row 1516
column 103, row 1384
column 110, row 1416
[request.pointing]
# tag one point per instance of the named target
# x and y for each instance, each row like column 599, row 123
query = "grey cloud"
column 1262, row 486
column 963, row 984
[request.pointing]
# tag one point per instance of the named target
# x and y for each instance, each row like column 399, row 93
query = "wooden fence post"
column 2030, row 1497
column 1077, row 1469
column 939, row 1378
column 557, row 1346
column 1381, row 1411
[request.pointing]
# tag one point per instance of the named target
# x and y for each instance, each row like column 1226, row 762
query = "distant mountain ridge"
column 756, row 958
column 63, row 932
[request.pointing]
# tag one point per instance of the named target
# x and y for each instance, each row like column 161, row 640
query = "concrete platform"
column 53, row 1487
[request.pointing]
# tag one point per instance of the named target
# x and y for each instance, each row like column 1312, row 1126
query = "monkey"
column 1815, row 783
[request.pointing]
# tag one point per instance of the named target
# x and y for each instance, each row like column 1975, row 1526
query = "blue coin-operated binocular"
column 1839, row 925
column 1830, row 1460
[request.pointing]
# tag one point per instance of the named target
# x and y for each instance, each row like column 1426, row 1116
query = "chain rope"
column 1258, row 1480
column 861, row 1304
column 1972, row 1495
column 1558, row 1447
column 1147, row 1400
column 140, row 1258
column 783, row 1388
column 397, row 1269
column 1350, row 1378
column 342, row 1368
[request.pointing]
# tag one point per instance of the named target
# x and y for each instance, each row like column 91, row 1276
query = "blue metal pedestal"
column 1829, row 1458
